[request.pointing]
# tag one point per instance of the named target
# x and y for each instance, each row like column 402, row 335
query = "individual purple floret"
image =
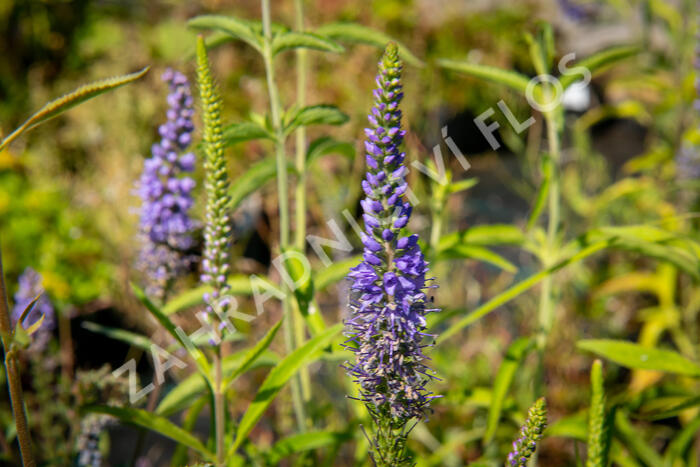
column 388, row 300
column 29, row 288
column 165, row 225
column 574, row 11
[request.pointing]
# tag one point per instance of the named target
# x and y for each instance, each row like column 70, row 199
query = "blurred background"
column 68, row 208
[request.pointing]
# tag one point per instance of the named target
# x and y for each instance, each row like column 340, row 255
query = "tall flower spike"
column 166, row 193
column 388, row 300
column 29, row 288
column 217, row 228
column 530, row 433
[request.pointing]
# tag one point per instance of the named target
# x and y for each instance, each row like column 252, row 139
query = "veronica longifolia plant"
column 388, row 302
column 166, row 227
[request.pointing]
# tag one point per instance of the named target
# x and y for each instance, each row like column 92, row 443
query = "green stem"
column 14, row 381
column 219, row 412
column 282, row 189
column 300, row 189
column 546, row 308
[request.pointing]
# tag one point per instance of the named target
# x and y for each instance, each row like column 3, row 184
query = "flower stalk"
column 216, row 234
column 388, row 301
column 14, row 381
column 282, row 190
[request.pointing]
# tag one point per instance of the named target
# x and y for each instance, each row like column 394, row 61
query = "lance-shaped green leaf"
column 512, row 79
column 322, row 114
column 153, row 422
column 252, row 355
column 478, row 253
column 631, row 355
column 681, row 443
column 543, row 191
column 667, row 407
column 326, row 145
column 324, row 278
column 514, row 357
column 513, row 291
column 234, row 27
column 239, row 285
column 597, row 62
column 244, row 131
column 277, row 378
column 653, row 242
column 634, row 440
column 177, row 332
column 70, row 100
column 599, row 423
column 307, row 40
column 303, row 442
column 356, row 33
column 194, row 386
column 128, row 337
column 483, row 235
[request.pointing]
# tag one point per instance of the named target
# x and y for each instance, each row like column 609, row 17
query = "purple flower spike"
column 29, row 288
column 165, row 225
column 386, row 328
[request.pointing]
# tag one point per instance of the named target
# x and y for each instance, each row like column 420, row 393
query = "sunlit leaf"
column 326, row 145
column 508, row 78
column 131, row 338
column 252, row 355
column 70, row 100
column 234, row 27
column 276, row 380
column 356, row 33
column 513, row 358
column 598, row 62
column 194, row 386
column 334, row 273
column 479, row 253
column 308, row 40
column 304, row 442
column 152, row 422
column 322, row 114
column 244, row 131
column 181, row 337
column 631, row 355
column 239, row 284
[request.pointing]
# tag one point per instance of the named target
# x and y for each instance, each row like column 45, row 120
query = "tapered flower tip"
column 390, row 58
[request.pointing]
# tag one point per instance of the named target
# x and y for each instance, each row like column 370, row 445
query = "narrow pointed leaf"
column 631, row 355
column 28, row 309
column 324, row 278
column 598, row 62
column 307, row 40
column 70, row 100
column 304, row 442
column 356, row 33
column 483, row 235
column 276, row 380
column 152, row 422
column 234, row 27
column 131, row 338
column 194, row 386
column 181, row 337
column 321, row 114
column 478, row 253
column 239, row 285
column 506, row 372
column 492, row 74
column 244, row 131
column 326, row 145
column 250, row 357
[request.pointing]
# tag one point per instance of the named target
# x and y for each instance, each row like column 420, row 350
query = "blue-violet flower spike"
column 388, row 299
column 166, row 193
